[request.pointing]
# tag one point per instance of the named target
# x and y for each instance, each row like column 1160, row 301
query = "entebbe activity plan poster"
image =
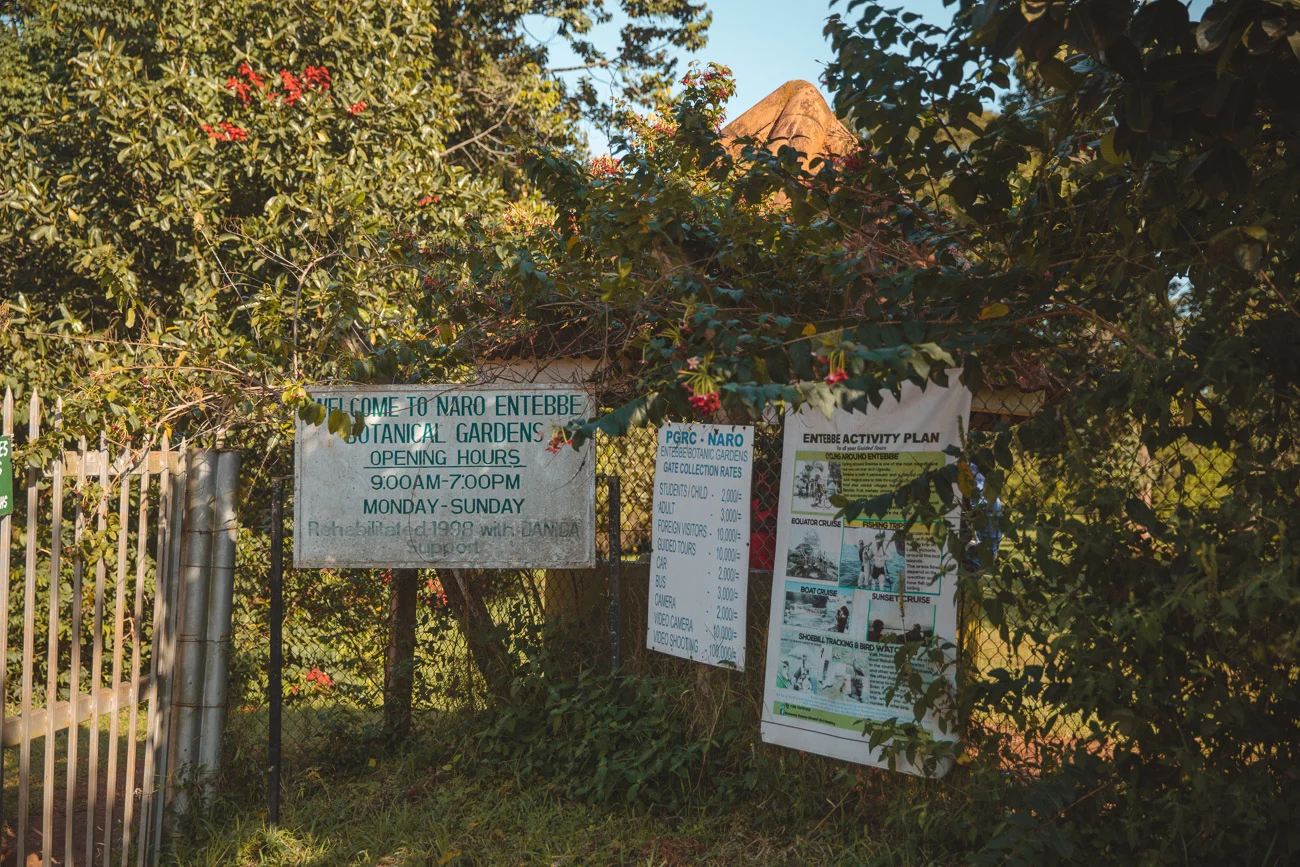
column 700, row 539
column 446, row 475
column 846, row 595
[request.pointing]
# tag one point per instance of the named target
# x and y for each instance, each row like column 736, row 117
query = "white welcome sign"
column 445, row 475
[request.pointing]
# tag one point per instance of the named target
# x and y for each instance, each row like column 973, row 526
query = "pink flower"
column 693, row 362
column 836, row 376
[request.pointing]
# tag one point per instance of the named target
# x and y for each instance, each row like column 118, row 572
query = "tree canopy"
column 204, row 205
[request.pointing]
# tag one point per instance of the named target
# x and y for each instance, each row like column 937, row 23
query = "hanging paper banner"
column 700, row 579
column 847, row 596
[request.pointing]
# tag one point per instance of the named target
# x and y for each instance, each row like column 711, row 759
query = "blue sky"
column 765, row 42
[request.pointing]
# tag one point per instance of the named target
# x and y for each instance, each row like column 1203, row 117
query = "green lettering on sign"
column 6, row 477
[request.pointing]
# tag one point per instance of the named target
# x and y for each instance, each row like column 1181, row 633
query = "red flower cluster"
column 716, row 85
column 317, row 77
column 716, row 72
column 244, row 89
column 836, row 376
column 357, row 107
column 428, row 200
column 559, row 440
column 253, row 78
column 603, row 166
column 706, row 403
column 854, row 162
column 225, row 131
column 292, row 87
column 437, row 596
column 240, row 88
column 318, row 677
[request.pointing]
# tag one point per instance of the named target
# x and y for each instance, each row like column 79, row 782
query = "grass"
column 410, row 810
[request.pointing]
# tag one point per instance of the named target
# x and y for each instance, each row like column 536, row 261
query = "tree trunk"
column 399, row 667
column 489, row 654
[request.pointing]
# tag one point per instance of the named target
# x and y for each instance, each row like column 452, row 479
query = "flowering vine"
column 559, row 439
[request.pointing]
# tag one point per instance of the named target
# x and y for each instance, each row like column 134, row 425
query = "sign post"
column 446, row 476
column 700, row 572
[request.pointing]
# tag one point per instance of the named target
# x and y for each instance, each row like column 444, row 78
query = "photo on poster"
column 813, row 553
column 872, row 558
column 803, row 666
column 826, row 609
column 829, row 673
column 815, row 482
column 889, row 622
column 846, row 677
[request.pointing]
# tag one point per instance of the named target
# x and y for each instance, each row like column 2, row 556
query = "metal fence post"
column 196, row 578
column 221, row 595
column 274, row 676
column 615, row 578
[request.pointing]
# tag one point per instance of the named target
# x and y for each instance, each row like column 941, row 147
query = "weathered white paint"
column 446, row 476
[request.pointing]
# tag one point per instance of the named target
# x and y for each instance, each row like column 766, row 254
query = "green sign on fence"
column 6, row 476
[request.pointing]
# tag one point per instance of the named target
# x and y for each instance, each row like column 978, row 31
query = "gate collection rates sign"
column 454, row 476
column 846, row 595
column 700, row 577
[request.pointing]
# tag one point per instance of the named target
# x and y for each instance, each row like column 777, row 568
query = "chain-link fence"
column 337, row 622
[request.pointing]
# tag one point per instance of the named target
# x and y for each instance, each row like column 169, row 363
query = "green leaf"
column 1108, row 152
column 1056, row 74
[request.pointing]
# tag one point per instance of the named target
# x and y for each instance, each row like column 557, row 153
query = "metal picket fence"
column 89, row 564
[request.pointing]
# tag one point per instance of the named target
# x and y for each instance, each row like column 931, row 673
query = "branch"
column 1112, row 328
column 600, row 64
